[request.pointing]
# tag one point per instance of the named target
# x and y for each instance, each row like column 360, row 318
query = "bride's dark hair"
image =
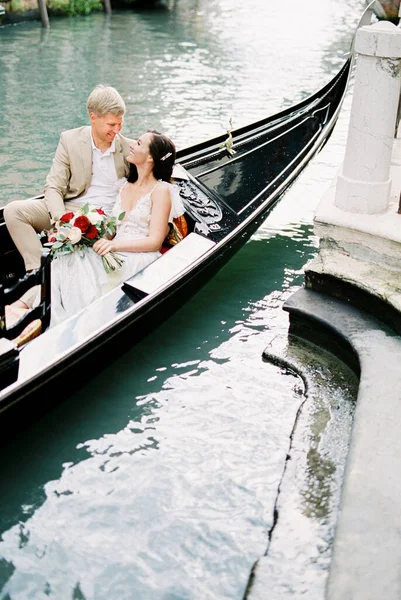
column 163, row 152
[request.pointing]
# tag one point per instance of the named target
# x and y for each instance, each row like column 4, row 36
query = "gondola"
column 227, row 185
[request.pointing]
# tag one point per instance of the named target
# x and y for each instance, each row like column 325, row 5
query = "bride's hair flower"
column 74, row 235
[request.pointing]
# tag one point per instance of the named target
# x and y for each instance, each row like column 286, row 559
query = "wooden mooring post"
column 43, row 13
column 45, row 17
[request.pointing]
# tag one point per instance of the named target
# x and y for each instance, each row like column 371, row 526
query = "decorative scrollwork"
column 198, row 204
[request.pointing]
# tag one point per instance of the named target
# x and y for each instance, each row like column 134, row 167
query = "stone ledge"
column 362, row 250
column 385, row 226
column 366, row 554
column 383, row 283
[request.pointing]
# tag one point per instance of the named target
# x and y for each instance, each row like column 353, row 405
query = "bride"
column 149, row 202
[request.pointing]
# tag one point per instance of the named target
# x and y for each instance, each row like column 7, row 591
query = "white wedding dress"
column 79, row 278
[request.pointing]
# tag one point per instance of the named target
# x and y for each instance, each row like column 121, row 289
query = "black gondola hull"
column 46, row 392
column 226, row 199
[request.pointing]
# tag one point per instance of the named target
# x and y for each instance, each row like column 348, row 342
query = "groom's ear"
column 92, row 117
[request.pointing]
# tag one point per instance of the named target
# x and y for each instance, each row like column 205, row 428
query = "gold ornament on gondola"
column 228, row 144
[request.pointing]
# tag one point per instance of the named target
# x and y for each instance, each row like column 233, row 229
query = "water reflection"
column 181, row 421
column 143, row 494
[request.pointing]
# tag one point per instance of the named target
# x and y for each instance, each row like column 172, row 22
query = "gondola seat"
column 178, row 231
column 168, row 267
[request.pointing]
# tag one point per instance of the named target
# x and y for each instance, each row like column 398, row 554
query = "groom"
column 87, row 166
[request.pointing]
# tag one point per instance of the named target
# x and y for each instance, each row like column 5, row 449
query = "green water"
column 158, row 480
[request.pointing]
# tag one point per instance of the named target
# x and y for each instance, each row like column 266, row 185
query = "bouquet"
column 74, row 232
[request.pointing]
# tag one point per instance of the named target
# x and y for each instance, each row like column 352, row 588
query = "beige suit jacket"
column 71, row 171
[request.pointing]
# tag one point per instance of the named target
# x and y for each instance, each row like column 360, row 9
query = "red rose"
column 51, row 238
column 67, row 217
column 100, row 211
column 91, row 233
column 82, row 223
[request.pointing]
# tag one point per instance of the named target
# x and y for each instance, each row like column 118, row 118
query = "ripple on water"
column 152, row 504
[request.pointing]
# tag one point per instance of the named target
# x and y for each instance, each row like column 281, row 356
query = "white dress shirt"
column 104, row 185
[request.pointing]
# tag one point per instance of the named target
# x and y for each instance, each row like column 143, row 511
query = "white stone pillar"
column 364, row 183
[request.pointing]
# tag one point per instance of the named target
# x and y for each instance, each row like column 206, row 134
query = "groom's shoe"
column 30, row 299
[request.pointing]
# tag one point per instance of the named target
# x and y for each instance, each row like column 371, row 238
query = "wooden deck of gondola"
column 365, row 562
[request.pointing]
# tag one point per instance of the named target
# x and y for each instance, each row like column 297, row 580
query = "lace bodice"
column 136, row 222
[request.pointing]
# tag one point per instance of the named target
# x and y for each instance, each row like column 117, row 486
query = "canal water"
column 167, row 476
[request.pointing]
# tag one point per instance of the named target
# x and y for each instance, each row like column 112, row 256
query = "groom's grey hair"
column 104, row 100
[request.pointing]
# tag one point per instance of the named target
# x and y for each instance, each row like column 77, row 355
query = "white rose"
column 63, row 231
column 94, row 217
column 74, row 235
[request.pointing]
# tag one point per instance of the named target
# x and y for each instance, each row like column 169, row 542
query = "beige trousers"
column 24, row 220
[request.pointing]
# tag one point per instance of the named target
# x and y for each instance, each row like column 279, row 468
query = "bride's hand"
column 103, row 246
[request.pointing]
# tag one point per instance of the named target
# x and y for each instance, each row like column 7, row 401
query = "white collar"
column 106, row 152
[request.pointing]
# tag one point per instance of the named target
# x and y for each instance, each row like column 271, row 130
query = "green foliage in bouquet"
column 80, row 230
